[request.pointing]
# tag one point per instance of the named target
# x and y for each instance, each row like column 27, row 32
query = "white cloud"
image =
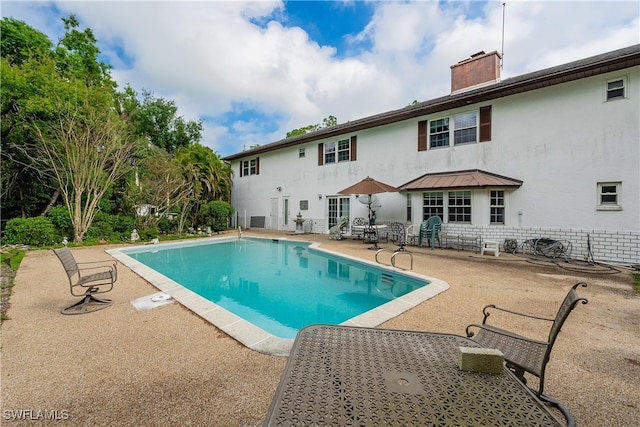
column 211, row 57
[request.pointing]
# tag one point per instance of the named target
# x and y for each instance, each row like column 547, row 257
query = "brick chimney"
column 479, row 69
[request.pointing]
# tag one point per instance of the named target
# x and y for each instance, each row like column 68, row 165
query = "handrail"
column 393, row 257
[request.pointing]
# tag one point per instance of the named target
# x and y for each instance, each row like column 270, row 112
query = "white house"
column 550, row 154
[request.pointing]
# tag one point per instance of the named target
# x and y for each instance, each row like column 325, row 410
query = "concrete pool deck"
column 254, row 337
column 167, row 366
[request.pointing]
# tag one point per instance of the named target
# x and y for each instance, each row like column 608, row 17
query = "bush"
column 59, row 217
column 36, row 231
column 149, row 233
column 110, row 227
column 216, row 214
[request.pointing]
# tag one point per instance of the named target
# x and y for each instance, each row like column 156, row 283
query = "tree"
column 157, row 120
column 86, row 150
column 326, row 122
column 160, row 183
column 210, row 177
column 34, row 75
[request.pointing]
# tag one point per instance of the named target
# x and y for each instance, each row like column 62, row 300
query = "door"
column 338, row 206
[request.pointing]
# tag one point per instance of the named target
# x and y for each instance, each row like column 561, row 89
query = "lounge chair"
column 523, row 354
column 87, row 279
column 337, row 231
column 430, row 229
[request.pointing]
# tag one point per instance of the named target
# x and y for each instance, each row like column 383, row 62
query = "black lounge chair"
column 87, row 279
column 523, row 354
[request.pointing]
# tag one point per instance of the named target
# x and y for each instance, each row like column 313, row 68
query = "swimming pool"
column 262, row 291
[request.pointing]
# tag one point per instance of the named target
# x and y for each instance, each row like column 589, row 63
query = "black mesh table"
column 346, row 376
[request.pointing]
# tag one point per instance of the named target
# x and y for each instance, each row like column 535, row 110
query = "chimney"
column 480, row 68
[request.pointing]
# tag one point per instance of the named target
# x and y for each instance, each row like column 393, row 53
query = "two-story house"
column 549, row 154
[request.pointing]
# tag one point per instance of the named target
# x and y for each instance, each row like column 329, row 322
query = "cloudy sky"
column 254, row 70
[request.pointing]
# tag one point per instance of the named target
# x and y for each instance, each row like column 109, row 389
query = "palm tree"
column 209, row 176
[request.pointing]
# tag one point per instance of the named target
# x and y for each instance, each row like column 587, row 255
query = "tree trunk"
column 52, row 202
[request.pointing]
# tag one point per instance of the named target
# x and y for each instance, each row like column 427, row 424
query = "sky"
column 252, row 71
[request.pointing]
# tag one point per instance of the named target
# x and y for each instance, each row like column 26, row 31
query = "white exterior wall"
column 561, row 141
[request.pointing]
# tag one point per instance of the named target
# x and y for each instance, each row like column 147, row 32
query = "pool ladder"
column 393, row 257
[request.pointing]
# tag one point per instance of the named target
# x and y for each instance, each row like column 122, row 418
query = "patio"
column 167, row 366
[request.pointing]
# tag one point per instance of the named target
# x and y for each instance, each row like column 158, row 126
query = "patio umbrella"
column 369, row 186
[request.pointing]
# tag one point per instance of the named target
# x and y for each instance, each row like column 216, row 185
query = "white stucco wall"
column 561, row 141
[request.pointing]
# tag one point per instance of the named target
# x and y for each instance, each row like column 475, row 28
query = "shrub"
column 59, row 217
column 216, row 214
column 149, row 233
column 36, row 231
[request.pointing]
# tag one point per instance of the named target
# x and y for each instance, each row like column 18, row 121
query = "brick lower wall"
column 620, row 247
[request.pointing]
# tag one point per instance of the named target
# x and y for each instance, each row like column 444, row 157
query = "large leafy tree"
column 58, row 121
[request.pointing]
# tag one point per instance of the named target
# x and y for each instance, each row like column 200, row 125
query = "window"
column 301, row 153
column 439, row 133
column 344, row 150
column 460, row 206
column 497, row 207
column 616, row 89
column 432, row 205
column 408, row 207
column 609, row 196
column 329, row 152
column 464, row 128
column 250, row 167
column 464, row 131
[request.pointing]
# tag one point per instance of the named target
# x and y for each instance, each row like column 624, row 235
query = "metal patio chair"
column 397, row 234
column 86, row 279
column 524, row 355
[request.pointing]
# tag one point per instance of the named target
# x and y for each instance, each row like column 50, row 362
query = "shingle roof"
column 599, row 64
column 459, row 179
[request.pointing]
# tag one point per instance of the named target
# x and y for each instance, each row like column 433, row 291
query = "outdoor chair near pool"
column 337, row 231
column 357, row 227
column 525, row 355
column 397, row 235
column 430, row 229
column 86, row 279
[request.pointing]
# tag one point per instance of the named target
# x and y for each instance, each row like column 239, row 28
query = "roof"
column 595, row 65
column 459, row 179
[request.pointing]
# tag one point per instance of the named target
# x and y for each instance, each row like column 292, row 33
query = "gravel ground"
column 167, row 366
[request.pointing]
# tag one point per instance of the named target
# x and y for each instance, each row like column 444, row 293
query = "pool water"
column 278, row 285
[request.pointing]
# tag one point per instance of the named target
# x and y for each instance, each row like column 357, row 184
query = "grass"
column 636, row 279
column 10, row 261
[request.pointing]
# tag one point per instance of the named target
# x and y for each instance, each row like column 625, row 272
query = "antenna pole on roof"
column 504, row 5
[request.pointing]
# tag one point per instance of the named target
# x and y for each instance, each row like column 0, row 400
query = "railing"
column 393, row 258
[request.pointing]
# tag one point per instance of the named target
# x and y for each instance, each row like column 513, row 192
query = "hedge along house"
column 549, row 154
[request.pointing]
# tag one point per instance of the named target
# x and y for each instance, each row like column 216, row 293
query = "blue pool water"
column 278, row 285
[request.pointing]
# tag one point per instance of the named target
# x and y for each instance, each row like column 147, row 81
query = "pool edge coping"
column 251, row 335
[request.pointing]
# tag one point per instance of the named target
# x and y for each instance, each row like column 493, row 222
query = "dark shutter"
column 241, row 167
column 320, row 154
column 354, row 147
column 485, row 123
column 257, row 165
column 422, row 135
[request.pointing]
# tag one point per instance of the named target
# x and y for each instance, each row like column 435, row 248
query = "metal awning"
column 459, row 179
